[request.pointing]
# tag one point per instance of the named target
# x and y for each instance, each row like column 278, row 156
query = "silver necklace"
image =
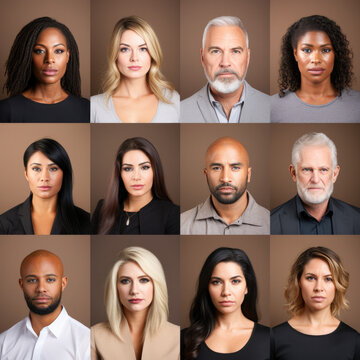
column 128, row 218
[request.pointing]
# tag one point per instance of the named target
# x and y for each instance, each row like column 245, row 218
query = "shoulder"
column 350, row 95
column 170, row 330
column 168, row 112
column 283, row 208
column 252, row 92
column 280, row 329
column 166, row 205
column 9, row 220
column 98, row 100
column 80, row 328
column 12, row 334
column 7, row 106
column 262, row 329
column 343, row 206
column 348, row 329
column 188, row 217
column 101, row 331
column 191, row 100
column 84, row 220
column 82, row 214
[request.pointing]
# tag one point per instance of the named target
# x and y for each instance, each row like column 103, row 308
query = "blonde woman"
column 135, row 91
column 315, row 294
column 136, row 302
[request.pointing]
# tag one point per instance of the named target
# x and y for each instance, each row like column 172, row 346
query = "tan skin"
column 227, row 161
column 315, row 57
column 42, row 275
column 133, row 100
column 49, row 58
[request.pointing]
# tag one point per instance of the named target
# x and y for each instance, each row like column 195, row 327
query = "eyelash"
column 42, row 51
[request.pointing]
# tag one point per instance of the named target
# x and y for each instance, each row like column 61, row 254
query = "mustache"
column 228, row 185
column 227, row 70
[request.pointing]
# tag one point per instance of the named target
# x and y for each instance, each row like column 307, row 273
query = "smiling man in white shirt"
column 48, row 332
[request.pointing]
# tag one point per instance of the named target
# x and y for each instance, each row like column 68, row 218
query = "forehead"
column 52, row 35
column 227, row 269
column 231, row 36
column 135, row 156
column 130, row 37
column 41, row 265
column 314, row 38
column 40, row 158
column 226, row 153
column 317, row 266
column 317, row 155
column 131, row 269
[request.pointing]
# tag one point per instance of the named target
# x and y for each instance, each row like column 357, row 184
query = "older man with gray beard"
column 227, row 98
column 313, row 211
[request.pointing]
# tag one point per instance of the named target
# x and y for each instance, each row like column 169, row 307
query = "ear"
column 249, row 174
column 68, row 56
column 336, row 173
column 25, row 173
column 246, row 291
column 21, row 283
column 295, row 54
column 292, row 172
column 64, row 282
column 205, row 172
column 248, row 60
column 202, row 56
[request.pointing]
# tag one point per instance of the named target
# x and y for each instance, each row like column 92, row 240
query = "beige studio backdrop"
column 15, row 138
column 14, row 15
column 196, row 138
column 74, row 251
column 347, row 141
column 104, row 251
column 195, row 249
column 284, row 250
column 194, row 16
column 162, row 15
column 283, row 13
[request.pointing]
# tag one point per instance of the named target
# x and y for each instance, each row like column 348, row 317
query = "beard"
column 226, row 85
column 308, row 198
column 41, row 310
column 227, row 199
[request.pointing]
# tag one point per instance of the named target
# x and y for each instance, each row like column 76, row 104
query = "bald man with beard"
column 230, row 209
column 48, row 332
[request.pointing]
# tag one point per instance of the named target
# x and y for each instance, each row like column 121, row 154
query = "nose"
column 225, row 59
column 134, row 55
column 40, row 286
column 133, row 289
column 225, row 290
column 49, row 58
column 315, row 57
column 136, row 174
column 225, row 174
column 318, row 285
column 44, row 175
column 315, row 177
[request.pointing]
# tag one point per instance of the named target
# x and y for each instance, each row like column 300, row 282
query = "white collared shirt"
column 64, row 339
column 235, row 112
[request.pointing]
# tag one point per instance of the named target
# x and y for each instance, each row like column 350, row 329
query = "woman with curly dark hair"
column 315, row 75
column 43, row 76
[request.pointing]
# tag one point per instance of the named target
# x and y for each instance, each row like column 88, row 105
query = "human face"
column 133, row 60
column 315, row 56
column 317, row 285
column 135, row 288
column 227, row 171
column 225, row 58
column 137, row 174
column 50, row 56
column 227, row 287
column 314, row 174
column 44, row 176
column 42, row 282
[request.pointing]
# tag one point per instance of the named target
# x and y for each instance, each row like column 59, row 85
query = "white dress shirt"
column 64, row 339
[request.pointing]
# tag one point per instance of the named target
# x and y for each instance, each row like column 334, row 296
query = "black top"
column 309, row 225
column 257, row 348
column 290, row 344
column 157, row 217
column 17, row 221
column 19, row 109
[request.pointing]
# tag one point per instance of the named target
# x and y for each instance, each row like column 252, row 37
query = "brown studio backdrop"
column 347, row 141
column 284, row 250
column 105, row 141
column 74, row 251
column 14, row 15
column 162, row 15
column 195, row 249
column 15, row 138
column 195, row 15
column 104, row 251
column 283, row 13
column 196, row 138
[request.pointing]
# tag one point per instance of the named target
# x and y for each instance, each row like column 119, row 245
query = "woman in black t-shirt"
column 315, row 293
column 223, row 313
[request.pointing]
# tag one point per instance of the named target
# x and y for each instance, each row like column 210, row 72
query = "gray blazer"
column 197, row 108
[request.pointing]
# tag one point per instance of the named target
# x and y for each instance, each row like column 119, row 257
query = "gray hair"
column 313, row 139
column 225, row 21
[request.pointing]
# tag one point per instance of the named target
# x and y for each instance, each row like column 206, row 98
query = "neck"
column 231, row 212
column 38, row 322
column 317, row 210
column 316, row 318
column 136, row 203
column 136, row 321
column 43, row 206
column 46, row 93
column 227, row 100
column 132, row 88
column 309, row 89
column 231, row 321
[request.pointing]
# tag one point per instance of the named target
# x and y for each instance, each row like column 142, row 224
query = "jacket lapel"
column 205, row 107
column 24, row 213
column 289, row 223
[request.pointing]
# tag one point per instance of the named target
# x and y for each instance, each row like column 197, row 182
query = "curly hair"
column 289, row 74
column 19, row 64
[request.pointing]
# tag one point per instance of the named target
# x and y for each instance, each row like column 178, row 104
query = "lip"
column 226, row 189
column 41, row 300
column 135, row 301
column 44, row 188
column 137, row 187
column 134, row 68
column 316, row 71
column 318, row 298
column 227, row 303
column 50, row 72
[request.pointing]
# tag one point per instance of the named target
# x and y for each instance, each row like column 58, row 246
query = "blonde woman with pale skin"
column 135, row 91
column 136, row 304
column 315, row 294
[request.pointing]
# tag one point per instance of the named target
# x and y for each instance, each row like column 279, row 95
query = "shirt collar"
column 300, row 209
column 213, row 101
column 56, row 327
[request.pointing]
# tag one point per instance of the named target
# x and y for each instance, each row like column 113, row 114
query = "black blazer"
column 17, row 221
column 345, row 219
column 157, row 217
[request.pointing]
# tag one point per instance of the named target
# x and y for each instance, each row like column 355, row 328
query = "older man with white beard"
column 315, row 169
column 227, row 98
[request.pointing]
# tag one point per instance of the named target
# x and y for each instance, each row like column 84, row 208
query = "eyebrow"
column 50, row 164
column 233, row 277
column 310, row 45
column 316, row 275
column 28, row 276
column 60, row 44
column 232, row 164
column 145, row 162
column 219, row 48
column 130, row 46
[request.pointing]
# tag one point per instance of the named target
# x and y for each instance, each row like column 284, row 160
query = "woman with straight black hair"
column 43, row 76
column 136, row 201
column 50, row 208
column 223, row 313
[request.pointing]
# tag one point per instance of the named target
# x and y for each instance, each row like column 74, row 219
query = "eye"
column 54, row 168
column 124, row 281
column 36, row 169
column 59, row 51
column 145, row 167
column 215, row 282
column 216, row 168
column 39, row 51
column 127, row 168
column 144, row 280
column 326, row 50
column 306, row 50
column 306, row 170
column 310, row 277
column 236, row 281
column 328, row 279
column 51, row 280
column 124, row 49
column 236, row 168
column 31, row 281
column 324, row 170
column 214, row 51
column 237, row 51
column 143, row 49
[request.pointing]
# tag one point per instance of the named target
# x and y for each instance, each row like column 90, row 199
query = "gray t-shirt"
column 105, row 113
column 290, row 109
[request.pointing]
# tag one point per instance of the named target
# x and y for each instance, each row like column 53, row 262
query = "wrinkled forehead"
column 315, row 155
column 230, row 35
